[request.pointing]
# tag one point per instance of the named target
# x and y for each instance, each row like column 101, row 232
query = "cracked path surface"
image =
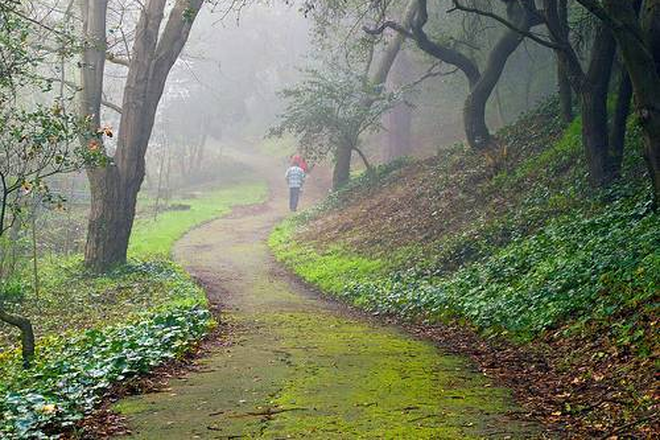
column 302, row 367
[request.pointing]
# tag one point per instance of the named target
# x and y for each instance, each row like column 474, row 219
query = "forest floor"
column 297, row 365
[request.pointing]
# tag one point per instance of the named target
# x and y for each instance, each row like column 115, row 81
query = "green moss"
column 128, row 407
column 404, row 385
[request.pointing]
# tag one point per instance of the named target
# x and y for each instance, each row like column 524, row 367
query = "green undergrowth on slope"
column 547, row 252
column 576, row 267
column 100, row 331
column 95, row 330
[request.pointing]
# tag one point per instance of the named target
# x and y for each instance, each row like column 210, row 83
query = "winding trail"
column 304, row 367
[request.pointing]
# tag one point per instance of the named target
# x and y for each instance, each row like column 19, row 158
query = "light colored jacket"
column 295, row 176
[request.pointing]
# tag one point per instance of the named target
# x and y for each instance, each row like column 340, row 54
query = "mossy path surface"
column 302, row 367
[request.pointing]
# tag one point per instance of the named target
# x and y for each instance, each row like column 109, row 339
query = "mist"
column 382, row 219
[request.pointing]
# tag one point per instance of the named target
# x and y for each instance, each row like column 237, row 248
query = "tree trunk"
column 641, row 56
column 620, row 119
column 474, row 120
column 399, row 129
column 565, row 95
column 595, row 137
column 474, row 110
column 342, row 170
column 602, row 166
column 563, row 82
column 110, row 219
column 115, row 188
column 27, row 335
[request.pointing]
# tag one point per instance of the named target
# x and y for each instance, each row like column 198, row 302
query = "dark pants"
column 294, row 196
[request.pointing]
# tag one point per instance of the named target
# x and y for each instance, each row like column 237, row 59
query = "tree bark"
column 639, row 41
column 563, row 82
column 342, row 169
column 620, row 119
column 115, row 188
column 27, row 335
column 595, row 133
column 565, row 95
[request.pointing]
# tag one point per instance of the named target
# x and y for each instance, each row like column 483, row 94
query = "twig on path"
column 629, row 425
column 267, row 412
column 419, row 419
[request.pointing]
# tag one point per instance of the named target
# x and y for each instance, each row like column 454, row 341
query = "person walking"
column 295, row 177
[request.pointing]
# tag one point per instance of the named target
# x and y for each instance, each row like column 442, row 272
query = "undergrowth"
column 73, row 369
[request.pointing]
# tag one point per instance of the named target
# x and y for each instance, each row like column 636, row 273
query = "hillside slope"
column 519, row 249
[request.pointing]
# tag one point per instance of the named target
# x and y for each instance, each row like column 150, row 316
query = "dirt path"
column 300, row 367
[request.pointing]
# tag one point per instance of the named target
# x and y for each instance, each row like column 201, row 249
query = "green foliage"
column 99, row 331
column 331, row 108
column 72, row 374
column 12, row 291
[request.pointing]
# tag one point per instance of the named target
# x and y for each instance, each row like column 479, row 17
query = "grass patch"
column 157, row 237
column 330, row 271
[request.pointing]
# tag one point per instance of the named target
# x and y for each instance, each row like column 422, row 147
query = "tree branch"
column 114, row 59
column 531, row 35
column 363, row 157
column 388, row 24
column 112, row 106
column 76, row 88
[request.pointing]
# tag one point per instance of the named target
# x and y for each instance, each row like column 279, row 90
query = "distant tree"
column 398, row 121
column 333, row 106
column 481, row 82
column 36, row 142
column 326, row 112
